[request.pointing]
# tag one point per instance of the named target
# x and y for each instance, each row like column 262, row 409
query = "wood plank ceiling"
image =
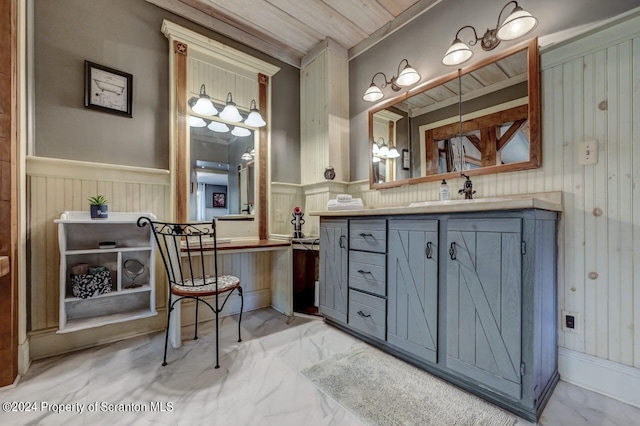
column 289, row 29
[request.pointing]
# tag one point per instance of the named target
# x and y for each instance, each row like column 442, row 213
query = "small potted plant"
column 99, row 208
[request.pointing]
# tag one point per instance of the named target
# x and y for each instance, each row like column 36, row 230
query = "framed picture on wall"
column 107, row 89
column 219, row 200
column 406, row 160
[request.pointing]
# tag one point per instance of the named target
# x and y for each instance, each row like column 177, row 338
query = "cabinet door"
column 413, row 287
column 484, row 301
column 333, row 270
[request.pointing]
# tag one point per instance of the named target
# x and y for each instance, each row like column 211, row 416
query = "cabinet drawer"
column 367, row 314
column 368, row 272
column 368, row 235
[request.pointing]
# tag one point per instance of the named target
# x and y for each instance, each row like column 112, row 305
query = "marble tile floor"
column 258, row 383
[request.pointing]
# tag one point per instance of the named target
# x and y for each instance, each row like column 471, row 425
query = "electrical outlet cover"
column 576, row 322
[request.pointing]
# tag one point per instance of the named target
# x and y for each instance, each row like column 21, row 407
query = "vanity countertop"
column 542, row 200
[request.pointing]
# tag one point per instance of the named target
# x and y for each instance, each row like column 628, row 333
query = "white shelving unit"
column 78, row 238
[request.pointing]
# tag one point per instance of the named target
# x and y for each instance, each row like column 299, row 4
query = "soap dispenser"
column 444, row 191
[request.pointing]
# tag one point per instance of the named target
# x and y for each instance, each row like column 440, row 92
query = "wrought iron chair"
column 182, row 248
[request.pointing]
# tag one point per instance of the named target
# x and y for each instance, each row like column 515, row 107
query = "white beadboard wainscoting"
column 590, row 89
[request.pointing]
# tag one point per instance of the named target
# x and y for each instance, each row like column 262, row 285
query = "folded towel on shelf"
column 353, row 204
column 344, row 198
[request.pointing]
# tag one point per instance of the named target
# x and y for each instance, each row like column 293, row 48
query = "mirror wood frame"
column 180, row 138
column 535, row 148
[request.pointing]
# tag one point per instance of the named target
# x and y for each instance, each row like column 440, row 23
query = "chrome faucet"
column 467, row 189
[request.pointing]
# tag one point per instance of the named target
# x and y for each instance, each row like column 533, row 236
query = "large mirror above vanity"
column 481, row 119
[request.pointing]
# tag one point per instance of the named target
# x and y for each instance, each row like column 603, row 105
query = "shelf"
column 84, row 323
column 123, row 292
column 109, row 250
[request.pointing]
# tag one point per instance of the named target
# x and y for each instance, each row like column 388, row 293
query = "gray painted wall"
column 424, row 41
column 125, row 35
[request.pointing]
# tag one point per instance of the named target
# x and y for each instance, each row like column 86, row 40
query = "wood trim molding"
column 263, row 157
column 216, row 49
column 180, row 58
column 54, row 167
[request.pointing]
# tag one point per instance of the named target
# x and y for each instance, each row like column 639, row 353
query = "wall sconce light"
column 217, row 126
column 196, row 122
column 406, row 77
column 230, row 111
column 254, row 119
column 204, row 105
column 518, row 23
column 240, row 131
column 248, row 154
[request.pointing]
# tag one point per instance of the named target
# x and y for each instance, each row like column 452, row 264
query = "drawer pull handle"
column 366, row 235
column 453, row 251
column 428, row 250
column 340, row 241
column 363, row 315
column 360, row 271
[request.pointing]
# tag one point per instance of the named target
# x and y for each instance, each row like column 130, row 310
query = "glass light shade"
column 519, row 23
column 196, row 122
column 254, row 119
column 231, row 113
column 407, row 76
column 204, row 106
column 373, row 93
column 246, row 157
column 383, row 151
column 457, row 53
column 252, row 152
column 217, row 126
column 393, row 153
column 376, row 159
column 240, row 131
column 375, row 148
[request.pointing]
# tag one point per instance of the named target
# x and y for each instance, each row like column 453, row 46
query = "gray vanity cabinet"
column 484, row 299
column 333, row 269
column 412, row 277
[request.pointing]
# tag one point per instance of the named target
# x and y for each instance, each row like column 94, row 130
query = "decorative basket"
column 89, row 285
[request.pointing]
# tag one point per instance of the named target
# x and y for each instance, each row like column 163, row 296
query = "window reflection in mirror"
column 221, row 174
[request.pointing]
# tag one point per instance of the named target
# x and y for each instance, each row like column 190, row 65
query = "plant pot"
column 99, row 211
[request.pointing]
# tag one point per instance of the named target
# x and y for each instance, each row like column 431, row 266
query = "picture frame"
column 406, row 159
column 107, row 89
column 219, row 200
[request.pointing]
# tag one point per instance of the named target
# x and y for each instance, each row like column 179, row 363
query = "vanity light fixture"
column 230, row 111
column 204, row 105
column 240, row 131
column 406, row 77
column 247, row 156
column 518, row 23
column 254, row 119
column 196, row 122
column 217, row 126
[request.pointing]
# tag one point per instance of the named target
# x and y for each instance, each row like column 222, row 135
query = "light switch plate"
column 588, row 152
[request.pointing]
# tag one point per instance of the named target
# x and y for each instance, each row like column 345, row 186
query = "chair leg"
column 166, row 336
column 241, row 308
column 197, row 304
column 217, row 343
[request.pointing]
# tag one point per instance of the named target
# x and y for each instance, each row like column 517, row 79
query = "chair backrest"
column 182, row 248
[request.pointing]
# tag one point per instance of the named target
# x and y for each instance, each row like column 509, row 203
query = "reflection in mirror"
column 222, row 173
column 390, row 128
column 493, row 105
column 493, row 128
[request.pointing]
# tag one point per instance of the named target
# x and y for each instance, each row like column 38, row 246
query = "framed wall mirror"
column 481, row 119
column 222, row 175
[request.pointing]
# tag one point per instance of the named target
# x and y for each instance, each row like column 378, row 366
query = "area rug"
column 383, row 390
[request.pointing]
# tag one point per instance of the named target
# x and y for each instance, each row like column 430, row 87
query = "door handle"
column 363, row 315
column 428, row 250
column 363, row 272
column 453, row 251
column 340, row 243
column 365, row 235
